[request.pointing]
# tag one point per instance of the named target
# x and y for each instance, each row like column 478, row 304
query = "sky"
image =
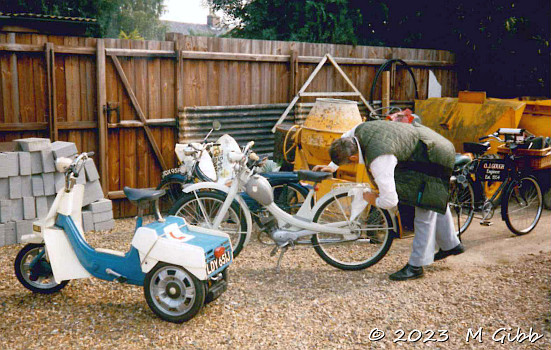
column 188, row 11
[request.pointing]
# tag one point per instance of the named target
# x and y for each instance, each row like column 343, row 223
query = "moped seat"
column 315, row 176
column 476, row 148
column 145, row 195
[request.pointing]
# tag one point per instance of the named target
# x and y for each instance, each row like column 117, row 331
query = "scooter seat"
column 315, row 176
column 139, row 195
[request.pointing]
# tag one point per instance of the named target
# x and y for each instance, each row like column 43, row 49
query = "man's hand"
column 370, row 197
column 324, row 168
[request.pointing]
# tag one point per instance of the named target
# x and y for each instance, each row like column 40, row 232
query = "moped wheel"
column 173, row 185
column 461, row 205
column 522, row 206
column 202, row 210
column 40, row 278
column 289, row 197
column 366, row 245
column 172, row 293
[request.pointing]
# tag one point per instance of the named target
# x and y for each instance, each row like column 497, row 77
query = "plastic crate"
column 535, row 159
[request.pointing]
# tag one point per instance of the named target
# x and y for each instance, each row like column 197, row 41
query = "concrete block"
column 81, row 179
column 17, row 209
column 92, row 192
column 37, row 185
column 4, row 171
column 100, row 206
column 91, row 170
column 4, row 188
column 23, row 227
column 15, row 187
column 5, row 210
column 49, row 184
column 64, row 149
column 100, row 217
column 36, row 163
column 42, row 207
column 12, row 163
column 24, row 163
column 10, row 236
column 104, row 225
column 87, row 221
column 59, row 180
column 50, row 200
column 48, row 161
column 33, row 144
column 29, row 208
column 2, row 235
column 26, row 186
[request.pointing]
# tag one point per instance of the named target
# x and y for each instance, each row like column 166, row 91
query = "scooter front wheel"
column 34, row 272
column 173, row 293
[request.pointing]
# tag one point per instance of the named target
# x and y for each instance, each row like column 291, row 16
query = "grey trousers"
column 431, row 229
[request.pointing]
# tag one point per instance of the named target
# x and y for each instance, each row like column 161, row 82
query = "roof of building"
column 193, row 28
column 46, row 17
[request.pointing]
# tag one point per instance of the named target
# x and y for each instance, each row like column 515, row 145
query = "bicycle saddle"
column 475, row 147
column 315, row 176
column 461, row 159
column 138, row 195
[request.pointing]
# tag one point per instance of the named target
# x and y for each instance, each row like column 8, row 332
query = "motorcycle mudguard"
column 219, row 187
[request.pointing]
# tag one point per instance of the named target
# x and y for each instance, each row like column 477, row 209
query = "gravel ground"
column 308, row 305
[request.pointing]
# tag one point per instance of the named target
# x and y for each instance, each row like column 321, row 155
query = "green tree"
column 112, row 15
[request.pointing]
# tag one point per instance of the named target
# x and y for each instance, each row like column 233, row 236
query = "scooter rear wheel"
column 173, row 293
column 40, row 278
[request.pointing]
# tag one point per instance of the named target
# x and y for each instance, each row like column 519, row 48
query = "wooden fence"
column 54, row 86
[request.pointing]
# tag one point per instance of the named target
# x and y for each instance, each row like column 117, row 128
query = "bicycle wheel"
column 522, row 206
column 461, row 206
column 289, row 197
column 173, row 185
column 200, row 209
column 365, row 246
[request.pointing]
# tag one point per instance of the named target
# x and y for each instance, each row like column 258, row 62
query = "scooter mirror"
column 62, row 164
column 216, row 125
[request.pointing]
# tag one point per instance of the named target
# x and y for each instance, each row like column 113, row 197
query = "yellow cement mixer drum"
column 328, row 120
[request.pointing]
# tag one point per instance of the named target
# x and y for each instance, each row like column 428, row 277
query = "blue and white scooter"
column 180, row 266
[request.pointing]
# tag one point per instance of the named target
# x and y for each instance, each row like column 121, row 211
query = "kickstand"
column 283, row 250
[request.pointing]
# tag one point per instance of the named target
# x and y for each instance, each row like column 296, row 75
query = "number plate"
column 217, row 263
column 492, row 170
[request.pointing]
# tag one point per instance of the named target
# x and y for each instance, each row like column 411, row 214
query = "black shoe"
column 442, row 254
column 407, row 273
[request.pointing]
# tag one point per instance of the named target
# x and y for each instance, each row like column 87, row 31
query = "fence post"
column 50, row 71
column 102, row 122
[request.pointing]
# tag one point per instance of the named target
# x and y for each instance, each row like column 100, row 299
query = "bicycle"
column 519, row 193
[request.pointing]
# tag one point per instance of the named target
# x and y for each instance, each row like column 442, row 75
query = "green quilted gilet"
column 425, row 160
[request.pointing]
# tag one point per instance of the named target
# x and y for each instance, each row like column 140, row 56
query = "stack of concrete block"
column 29, row 183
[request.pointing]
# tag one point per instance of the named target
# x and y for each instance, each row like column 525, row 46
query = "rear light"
column 316, row 187
column 218, row 252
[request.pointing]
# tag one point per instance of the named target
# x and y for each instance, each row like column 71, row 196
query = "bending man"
column 412, row 164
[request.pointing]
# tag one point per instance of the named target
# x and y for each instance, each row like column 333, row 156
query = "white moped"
column 180, row 266
column 345, row 231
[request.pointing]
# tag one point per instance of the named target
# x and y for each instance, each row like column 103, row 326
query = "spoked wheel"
column 522, row 206
column 200, row 208
column 461, row 206
column 173, row 191
column 291, row 136
column 173, row 293
column 34, row 271
column 288, row 197
column 367, row 243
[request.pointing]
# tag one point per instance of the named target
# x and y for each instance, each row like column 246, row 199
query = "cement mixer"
column 327, row 121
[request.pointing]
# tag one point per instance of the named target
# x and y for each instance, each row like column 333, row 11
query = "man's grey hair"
column 341, row 149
